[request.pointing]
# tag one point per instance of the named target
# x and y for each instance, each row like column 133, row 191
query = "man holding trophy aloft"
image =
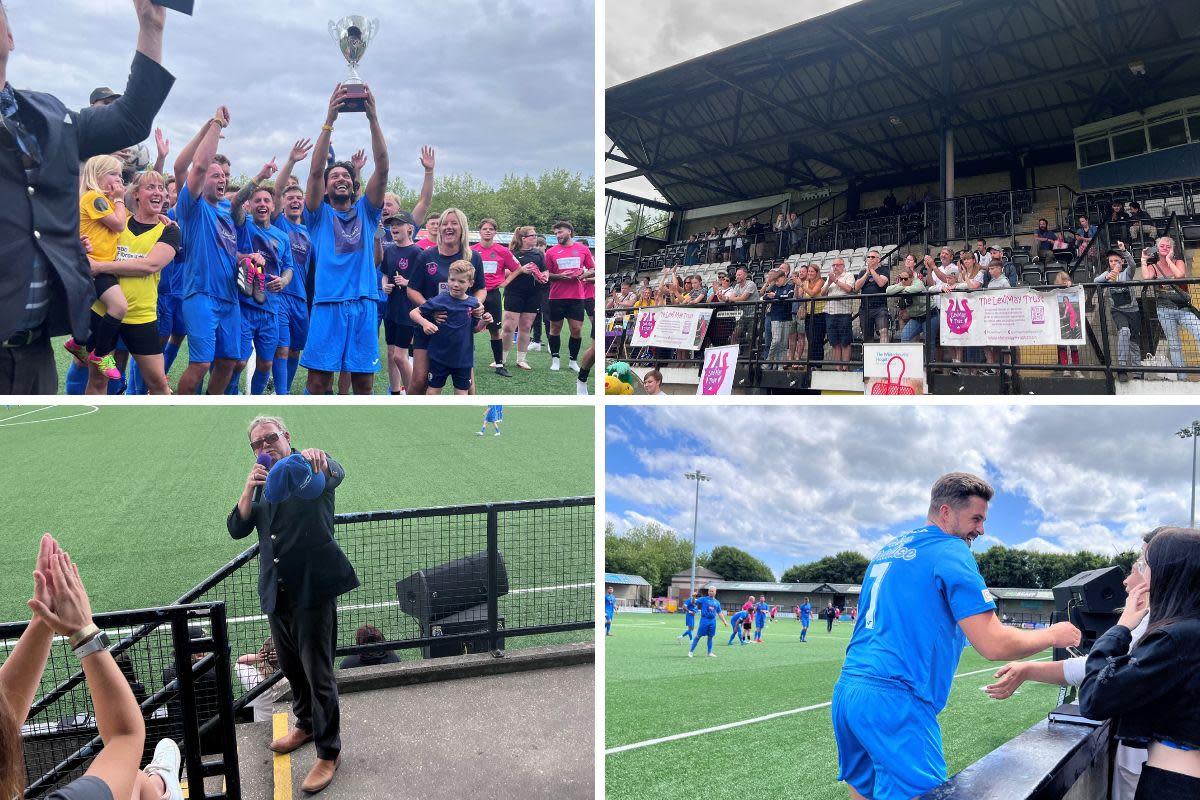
column 343, row 332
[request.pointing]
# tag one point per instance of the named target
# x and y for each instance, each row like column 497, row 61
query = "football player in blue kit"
column 923, row 599
column 805, row 619
column 689, row 619
column 709, row 610
column 736, row 622
column 610, row 610
column 760, row 618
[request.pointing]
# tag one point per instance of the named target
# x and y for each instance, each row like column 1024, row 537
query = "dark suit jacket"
column 43, row 214
column 297, row 551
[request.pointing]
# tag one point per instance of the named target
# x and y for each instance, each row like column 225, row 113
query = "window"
column 1129, row 143
column 1167, row 134
column 1094, row 152
column 1194, row 124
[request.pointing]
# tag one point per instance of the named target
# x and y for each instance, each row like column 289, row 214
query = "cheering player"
column 709, row 610
column 568, row 263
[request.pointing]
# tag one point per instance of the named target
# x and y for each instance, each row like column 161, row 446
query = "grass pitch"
column 654, row 690
column 139, row 496
column 539, row 381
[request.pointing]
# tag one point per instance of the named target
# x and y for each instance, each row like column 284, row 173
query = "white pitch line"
column 775, row 715
column 23, row 413
column 6, row 424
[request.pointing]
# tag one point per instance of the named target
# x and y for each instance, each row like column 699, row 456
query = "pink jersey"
column 570, row 260
column 497, row 262
column 424, row 243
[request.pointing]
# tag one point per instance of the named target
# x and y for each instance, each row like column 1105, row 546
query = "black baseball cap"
column 102, row 93
column 400, row 216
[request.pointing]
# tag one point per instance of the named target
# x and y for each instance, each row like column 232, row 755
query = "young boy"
column 493, row 416
column 452, row 348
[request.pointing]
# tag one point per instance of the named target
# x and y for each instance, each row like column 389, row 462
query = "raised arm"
column 183, row 161
column 314, row 191
column 163, row 146
column 237, row 206
column 206, row 151
column 995, row 641
column 299, row 152
column 422, row 205
column 377, row 185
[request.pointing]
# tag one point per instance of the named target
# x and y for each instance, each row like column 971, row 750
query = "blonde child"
column 102, row 219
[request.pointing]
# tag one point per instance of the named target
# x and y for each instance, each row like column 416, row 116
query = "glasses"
column 270, row 438
column 529, row 235
column 872, row 256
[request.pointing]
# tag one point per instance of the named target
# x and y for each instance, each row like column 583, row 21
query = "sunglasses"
column 270, row 438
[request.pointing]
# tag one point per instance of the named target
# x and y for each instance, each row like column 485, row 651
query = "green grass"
column 139, row 496
column 653, row 690
column 539, row 381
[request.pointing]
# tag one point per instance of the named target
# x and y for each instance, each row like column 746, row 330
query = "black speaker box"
column 471, row 620
column 435, row 593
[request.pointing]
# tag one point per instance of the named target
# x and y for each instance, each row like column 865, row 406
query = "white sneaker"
column 494, row 365
column 165, row 764
column 574, row 365
column 581, row 387
column 497, row 433
column 712, row 655
column 691, row 653
column 479, row 433
column 554, row 364
column 535, row 345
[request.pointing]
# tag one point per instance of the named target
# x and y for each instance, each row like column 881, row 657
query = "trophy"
column 352, row 34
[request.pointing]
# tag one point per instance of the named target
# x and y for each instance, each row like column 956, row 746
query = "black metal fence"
column 442, row 580
column 177, row 661
column 1160, row 340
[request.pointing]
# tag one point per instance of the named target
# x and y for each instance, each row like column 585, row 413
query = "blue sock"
column 77, row 378
column 606, row 626
column 258, row 382
column 232, row 388
column 133, row 377
column 484, row 428
column 169, row 352
column 695, row 641
column 710, row 645
column 117, row 386
column 306, row 391
column 279, row 369
column 293, row 364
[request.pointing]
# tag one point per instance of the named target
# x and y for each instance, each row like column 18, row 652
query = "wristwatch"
column 93, row 645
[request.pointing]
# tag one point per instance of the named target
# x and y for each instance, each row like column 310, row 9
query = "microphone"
column 264, row 460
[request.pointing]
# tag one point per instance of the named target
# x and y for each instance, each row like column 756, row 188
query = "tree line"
column 656, row 553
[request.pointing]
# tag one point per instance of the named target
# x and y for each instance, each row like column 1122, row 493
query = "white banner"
column 719, row 365
column 668, row 326
column 1012, row 317
column 894, row 369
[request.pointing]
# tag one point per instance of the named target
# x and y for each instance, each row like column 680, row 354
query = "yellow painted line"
column 282, row 763
column 183, row 786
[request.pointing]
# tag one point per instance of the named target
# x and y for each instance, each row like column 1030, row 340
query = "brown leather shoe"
column 291, row 740
column 321, row 775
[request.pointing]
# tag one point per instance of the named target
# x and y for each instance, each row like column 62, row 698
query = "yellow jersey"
column 141, row 292
column 94, row 206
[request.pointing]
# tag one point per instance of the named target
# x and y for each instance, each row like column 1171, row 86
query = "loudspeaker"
column 439, row 592
column 1089, row 601
column 471, row 620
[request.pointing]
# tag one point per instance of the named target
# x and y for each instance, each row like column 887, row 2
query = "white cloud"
column 792, row 484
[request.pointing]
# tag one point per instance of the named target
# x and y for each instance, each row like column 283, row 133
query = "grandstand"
column 907, row 125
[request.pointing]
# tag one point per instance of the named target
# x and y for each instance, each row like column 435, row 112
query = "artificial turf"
column 653, row 690
column 540, row 380
column 139, row 496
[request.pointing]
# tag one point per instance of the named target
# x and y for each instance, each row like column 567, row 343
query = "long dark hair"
column 1174, row 558
column 12, row 752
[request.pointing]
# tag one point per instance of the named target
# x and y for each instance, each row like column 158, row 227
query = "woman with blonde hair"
column 102, row 219
column 1172, row 302
column 431, row 276
column 523, row 293
column 61, row 607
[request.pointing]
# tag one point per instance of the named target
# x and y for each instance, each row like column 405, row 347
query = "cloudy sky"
column 793, row 484
column 496, row 86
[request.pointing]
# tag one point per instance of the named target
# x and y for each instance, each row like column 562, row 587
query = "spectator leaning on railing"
column 757, row 232
column 1121, row 301
column 913, row 302
column 1172, row 302
column 742, row 291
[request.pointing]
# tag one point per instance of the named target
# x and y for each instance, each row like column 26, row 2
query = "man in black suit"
column 302, row 571
column 46, row 285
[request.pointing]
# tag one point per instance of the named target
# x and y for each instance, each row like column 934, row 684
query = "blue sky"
column 792, row 484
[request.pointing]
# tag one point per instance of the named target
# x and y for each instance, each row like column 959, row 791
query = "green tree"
column 1125, row 560
column 733, row 564
column 844, row 567
column 518, row 200
column 653, row 223
column 1003, row 566
column 651, row 551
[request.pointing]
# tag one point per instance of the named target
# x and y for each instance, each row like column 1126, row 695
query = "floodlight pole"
column 1192, row 432
column 699, row 477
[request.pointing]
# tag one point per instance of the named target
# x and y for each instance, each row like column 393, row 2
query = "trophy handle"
column 372, row 29
column 333, row 32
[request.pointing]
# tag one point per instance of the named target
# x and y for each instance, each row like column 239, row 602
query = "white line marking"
column 23, row 413
column 775, row 715
column 5, row 422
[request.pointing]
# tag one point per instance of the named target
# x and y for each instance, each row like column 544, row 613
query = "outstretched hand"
column 162, row 143
column 358, row 161
column 300, row 150
column 267, row 171
column 336, row 101
column 372, row 112
column 427, row 158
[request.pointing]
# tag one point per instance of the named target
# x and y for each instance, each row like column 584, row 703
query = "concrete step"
column 255, row 762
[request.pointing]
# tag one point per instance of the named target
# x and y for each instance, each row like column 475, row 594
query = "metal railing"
column 182, row 683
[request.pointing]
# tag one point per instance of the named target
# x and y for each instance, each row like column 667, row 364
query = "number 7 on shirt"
column 876, row 574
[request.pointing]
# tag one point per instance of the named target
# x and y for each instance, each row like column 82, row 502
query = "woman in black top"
column 523, row 292
column 60, row 606
column 1153, row 691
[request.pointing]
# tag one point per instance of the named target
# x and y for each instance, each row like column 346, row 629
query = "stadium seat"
column 1032, row 277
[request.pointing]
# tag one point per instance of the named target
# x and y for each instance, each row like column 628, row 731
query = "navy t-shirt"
column 433, row 269
column 403, row 260
column 453, row 344
column 781, row 309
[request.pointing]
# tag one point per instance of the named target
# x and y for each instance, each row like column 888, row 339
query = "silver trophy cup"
column 352, row 34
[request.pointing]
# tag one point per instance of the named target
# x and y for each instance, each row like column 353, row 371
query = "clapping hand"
column 59, row 598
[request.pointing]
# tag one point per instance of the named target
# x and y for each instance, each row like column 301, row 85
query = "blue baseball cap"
column 293, row 476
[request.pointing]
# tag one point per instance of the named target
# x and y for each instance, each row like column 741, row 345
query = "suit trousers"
column 305, row 639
